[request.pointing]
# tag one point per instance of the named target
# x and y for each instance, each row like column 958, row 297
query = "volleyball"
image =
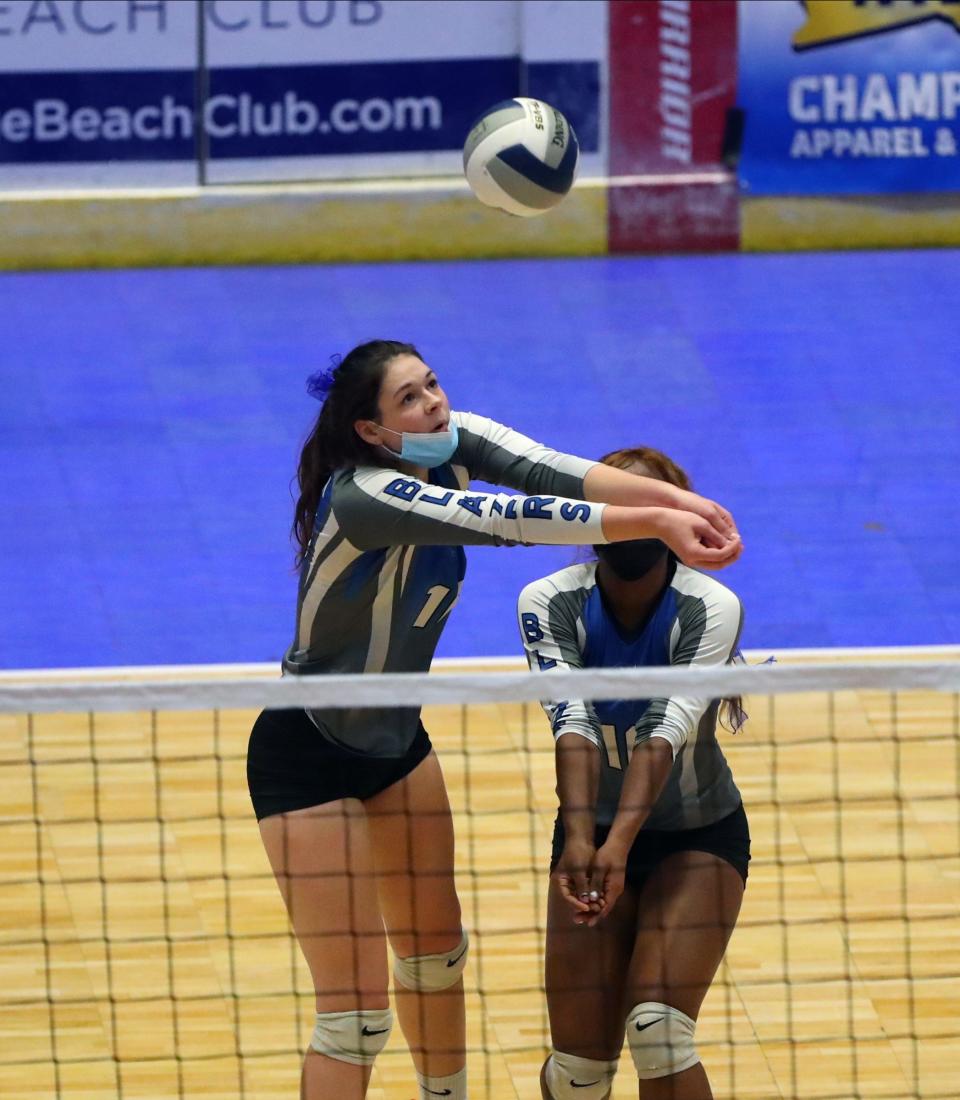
column 521, row 156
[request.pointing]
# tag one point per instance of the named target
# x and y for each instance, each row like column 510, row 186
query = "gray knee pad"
column 432, row 973
column 571, row 1078
column 661, row 1040
column 356, row 1037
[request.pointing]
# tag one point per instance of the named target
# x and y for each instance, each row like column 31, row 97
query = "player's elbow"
column 663, row 741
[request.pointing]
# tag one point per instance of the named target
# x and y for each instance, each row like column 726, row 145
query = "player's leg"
column 686, row 913
column 585, row 973
column 322, row 861
column 412, row 838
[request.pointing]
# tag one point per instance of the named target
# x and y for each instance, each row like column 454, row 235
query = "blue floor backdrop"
column 150, row 423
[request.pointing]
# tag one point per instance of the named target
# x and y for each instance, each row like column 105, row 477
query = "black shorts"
column 728, row 838
column 292, row 766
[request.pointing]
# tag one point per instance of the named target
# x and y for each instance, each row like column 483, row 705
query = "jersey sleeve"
column 491, row 452
column 378, row 507
column 705, row 632
column 547, row 616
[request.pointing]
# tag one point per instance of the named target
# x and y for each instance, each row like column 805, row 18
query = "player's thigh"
column 411, row 830
column 584, row 974
column 323, row 865
column 686, row 912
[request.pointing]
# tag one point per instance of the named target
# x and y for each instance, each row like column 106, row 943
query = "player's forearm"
column 643, row 781
column 578, row 780
column 617, row 488
column 612, row 486
column 621, row 522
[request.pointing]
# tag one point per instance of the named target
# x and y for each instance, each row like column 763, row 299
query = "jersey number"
column 435, row 597
column 613, row 749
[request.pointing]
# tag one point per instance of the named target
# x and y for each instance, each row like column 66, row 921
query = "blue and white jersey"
column 566, row 624
column 386, row 563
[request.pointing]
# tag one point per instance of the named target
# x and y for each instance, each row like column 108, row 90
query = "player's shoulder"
column 369, row 478
column 579, row 578
column 358, row 489
column 352, row 487
column 484, row 429
column 473, row 422
column 703, row 586
column 342, row 481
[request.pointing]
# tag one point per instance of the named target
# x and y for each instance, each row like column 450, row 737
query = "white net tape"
column 422, row 689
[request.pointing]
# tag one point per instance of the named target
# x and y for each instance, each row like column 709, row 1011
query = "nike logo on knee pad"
column 584, row 1084
column 433, row 1092
column 369, row 1031
column 643, row 1027
column 453, row 962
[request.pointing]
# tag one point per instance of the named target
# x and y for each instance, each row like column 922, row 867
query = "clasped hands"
column 591, row 879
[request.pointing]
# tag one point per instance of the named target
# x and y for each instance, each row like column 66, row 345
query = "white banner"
column 310, row 32
column 77, row 36
column 121, row 92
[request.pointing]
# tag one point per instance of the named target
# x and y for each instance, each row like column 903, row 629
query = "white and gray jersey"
column 566, row 623
column 385, row 563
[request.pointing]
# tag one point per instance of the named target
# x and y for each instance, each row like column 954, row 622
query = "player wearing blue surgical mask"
column 651, row 843
column 352, row 805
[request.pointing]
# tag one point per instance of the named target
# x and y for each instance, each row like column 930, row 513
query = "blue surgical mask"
column 427, row 449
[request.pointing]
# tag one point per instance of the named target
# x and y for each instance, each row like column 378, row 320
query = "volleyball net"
column 145, row 950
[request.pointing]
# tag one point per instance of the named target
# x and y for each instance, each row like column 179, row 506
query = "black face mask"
column 634, row 559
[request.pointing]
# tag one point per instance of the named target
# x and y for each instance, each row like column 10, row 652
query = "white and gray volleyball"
column 521, row 156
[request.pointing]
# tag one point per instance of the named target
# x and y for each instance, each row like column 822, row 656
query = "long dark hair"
column 352, row 393
column 732, row 715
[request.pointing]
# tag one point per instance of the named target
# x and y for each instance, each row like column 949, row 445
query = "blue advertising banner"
column 374, row 107
column 173, row 91
column 292, row 110
column 849, row 96
column 78, row 117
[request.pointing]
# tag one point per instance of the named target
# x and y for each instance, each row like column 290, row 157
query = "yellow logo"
column 834, row 20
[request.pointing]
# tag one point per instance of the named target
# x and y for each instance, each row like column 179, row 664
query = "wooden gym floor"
column 149, row 961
